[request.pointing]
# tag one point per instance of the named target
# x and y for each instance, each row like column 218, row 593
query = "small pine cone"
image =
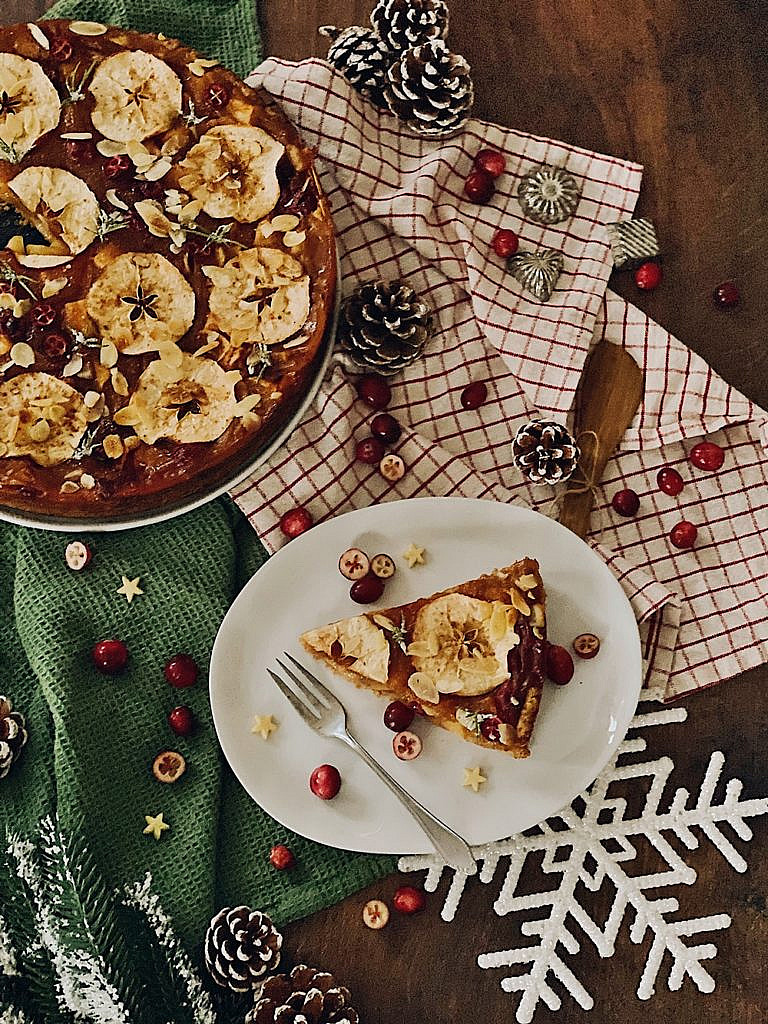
column 305, row 996
column 402, row 24
column 430, row 89
column 362, row 58
column 241, row 946
column 545, row 452
column 384, row 326
column 13, row 735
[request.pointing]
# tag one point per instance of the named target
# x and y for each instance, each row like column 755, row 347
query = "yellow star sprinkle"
column 473, row 778
column 155, row 825
column 263, row 725
column 130, row 588
column 414, row 556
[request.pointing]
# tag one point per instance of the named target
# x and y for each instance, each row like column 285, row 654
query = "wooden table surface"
column 680, row 86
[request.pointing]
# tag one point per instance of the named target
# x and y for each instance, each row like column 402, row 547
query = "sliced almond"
column 519, row 602
column 108, row 354
column 40, row 431
column 54, row 286
column 537, row 615
column 87, row 482
column 77, row 136
column 69, row 487
column 22, row 354
column 285, row 222
column 35, row 262
column 424, row 687
column 201, row 65
column 73, row 367
column 119, row 383
column 131, row 442
column 109, row 148
column 38, row 35
column 292, row 238
column 113, row 446
column 245, row 405
column 115, row 200
column 128, row 416
column 90, row 398
column 527, row 582
column 87, row 28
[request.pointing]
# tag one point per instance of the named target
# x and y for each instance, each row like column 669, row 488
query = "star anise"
column 185, row 408
column 142, row 304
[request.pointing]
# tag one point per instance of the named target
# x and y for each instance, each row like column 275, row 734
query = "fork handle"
column 451, row 847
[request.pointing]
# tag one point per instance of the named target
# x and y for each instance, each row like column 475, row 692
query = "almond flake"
column 295, row 343
column 90, row 398
column 40, row 431
column 108, row 354
column 276, row 395
column 201, row 65
column 87, row 482
column 293, row 238
column 77, row 136
column 266, row 228
column 245, row 405
column 16, row 244
column 116, row 201
column 69, row 487
column 22, row 354
column 38, row 35
column 43, row 262
column 113, row 446
column 87, row 28
column 119, row 383
column 109, row 148
column 208, row 346
column 54, row 286
column 519, row 602
column 128, row 416
column 285, row 222
column 13, row 426
column 527, row 582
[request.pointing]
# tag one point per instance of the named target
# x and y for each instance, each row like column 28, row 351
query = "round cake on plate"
column 167, row 271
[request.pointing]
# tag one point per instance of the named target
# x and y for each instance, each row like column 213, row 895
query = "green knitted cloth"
column 93, row 738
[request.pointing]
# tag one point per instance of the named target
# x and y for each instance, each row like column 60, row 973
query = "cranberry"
column 392, row 468
column 181, row 671
column 398, row 716
column 77, row 555
column 169, row 766
column 383, row 566
column 117, row 167
column 559, row 664
column 43, row 314
column 9, row 324
column 374, row 391
column 479, row 186
column 280, row 857
column 375, row 914
column 648, row 276
column 683, row 534
column 491, row 161
column 626, row 502
column 367, row 590
column 489, row 729
column 61, row 49
column 218, row 95
column 55, row 345
column 474, row 395
column 726, row 295
column 295, row 521
column 370, row 451
column 81, row 151
column 109, row 656
column 669, row 481
column 707, row 455
column 505, row 243
column 181, row 720
column 406, row 745
column 586, row 645
column 409, row 900
column 325, row 781
column 386, row 428
column 354, row 564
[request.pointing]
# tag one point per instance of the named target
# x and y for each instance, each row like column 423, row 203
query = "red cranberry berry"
column 367, row 590
column 55, row 345
column 374, row 390
column 325, row 781
column 626, row 502
column 491, row 161
column 489, row 729
column 117, row 167
column 559, row 664
column 505, row 243
column 43, row 314
column 407, row 746
column 370, row 451
column 181, row 720
column 479, row 186
column 726, row 295
column 218, row 95
column 354, row 564
column 61, row 49
column 669, row 481
column 474, row 395
column 109, row 656
column 295, row 521
column 280, row 857
column 181, row 671
column 81, row 151
column 707, row 455
column 409, row 900
column 648, row 276
column 386, row 428
column 398, row 716
column 683, row 534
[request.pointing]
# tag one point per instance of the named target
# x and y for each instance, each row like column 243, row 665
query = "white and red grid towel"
column 399, row 212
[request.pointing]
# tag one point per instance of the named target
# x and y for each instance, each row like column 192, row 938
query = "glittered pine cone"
column 430, row 89
column 402, row 24
column 384, row 326
column 360, row 55
column 305, row 996
column 13, row 735
column 545, row 452
column 241, row 946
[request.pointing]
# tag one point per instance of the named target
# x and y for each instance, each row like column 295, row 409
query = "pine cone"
column 305, row 996
column 13, row 735
column 384, row 326
column 545, row 452
column 430, row 89
column 402, row 24
column 241, row 946
column 362, row 58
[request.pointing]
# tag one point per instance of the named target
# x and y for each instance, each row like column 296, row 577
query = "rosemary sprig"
column 10, row 152
column 191, row 118
column 400, row 636
column 218, row 237
column 109, row 222
column 81, row 341
column 258, row 362
column 13, row 277
column 88, row 441
column 76, row 83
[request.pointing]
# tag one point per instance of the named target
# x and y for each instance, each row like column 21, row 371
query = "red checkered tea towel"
column 400, row 212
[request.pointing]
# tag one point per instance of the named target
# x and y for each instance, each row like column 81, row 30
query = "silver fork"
column 326, row 715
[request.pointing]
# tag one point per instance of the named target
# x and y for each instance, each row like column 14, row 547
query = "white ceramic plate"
column 577, row 730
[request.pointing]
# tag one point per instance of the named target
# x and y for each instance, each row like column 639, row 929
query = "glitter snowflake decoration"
column 599, row 840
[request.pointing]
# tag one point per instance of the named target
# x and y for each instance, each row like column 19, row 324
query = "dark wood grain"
column 680, row 86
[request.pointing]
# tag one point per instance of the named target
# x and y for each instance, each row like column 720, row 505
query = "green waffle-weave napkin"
column 93, row 738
